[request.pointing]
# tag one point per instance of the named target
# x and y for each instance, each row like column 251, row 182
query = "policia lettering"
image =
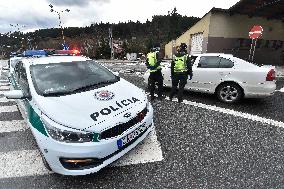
column 119, row 105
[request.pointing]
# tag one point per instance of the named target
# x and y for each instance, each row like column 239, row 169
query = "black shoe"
column 180, row 100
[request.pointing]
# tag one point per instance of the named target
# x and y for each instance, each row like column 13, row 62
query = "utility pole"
column 60, row 23
column 111, row 43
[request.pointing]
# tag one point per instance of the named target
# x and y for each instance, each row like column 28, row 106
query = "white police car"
column 82, row 115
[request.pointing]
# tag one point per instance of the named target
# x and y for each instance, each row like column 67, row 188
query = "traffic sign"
column 255, row 32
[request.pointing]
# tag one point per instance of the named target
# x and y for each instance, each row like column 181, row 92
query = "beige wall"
column 200, row 27
column 169, row 49
column 238, row 26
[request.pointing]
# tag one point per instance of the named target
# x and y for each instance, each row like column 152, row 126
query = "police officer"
column 180, row 70
column 153, row 63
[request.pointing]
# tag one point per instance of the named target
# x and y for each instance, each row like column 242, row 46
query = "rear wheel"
column 229, row 93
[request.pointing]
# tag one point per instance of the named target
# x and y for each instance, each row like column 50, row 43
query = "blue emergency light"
column 34, row 53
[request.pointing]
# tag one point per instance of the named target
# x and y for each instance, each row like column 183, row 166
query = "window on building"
column 246, row 43
column 238, row 43
column 258, row 43
column 209, row 62
column 266, row 44
column 279, row 44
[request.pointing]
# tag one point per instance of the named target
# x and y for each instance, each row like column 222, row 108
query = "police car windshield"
column 71, row 77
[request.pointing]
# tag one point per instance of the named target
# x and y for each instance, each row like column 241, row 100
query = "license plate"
column 131, row 136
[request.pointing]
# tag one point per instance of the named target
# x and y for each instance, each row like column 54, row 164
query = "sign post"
column 254, row 34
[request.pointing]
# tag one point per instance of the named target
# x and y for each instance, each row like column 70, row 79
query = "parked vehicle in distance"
column 228, row 77
column 82, row 115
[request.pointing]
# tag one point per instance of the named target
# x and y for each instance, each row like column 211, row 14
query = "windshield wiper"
column 58, row 93
column 96, row 85
column 84, row 88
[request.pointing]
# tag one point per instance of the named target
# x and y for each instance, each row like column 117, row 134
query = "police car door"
column 205, row 74
column 23, row 85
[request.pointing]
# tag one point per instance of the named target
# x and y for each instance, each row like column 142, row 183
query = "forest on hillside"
column 93, row 40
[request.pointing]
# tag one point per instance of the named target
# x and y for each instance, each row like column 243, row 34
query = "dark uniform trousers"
column 178, row 79
column 153, row 78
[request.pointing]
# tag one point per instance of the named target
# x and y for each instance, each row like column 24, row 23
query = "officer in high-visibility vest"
column 153, row 64
column 181, row 68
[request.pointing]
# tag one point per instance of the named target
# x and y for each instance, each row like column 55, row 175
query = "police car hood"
column 84, row 111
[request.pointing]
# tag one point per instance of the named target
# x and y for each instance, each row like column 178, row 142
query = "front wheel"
column 229, row 93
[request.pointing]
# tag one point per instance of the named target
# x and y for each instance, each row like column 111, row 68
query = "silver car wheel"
column 229, row 93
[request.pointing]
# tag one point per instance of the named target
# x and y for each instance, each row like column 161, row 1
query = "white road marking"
column 12, row 126
column 21, row 163
column 29, row 163
column 3, row 92
column 3, row 88
column 13, row 108
column 234, row 113
column 149, row 150
column 4, row 84
column 281, row 90
column 4, row 80
column 4, row 99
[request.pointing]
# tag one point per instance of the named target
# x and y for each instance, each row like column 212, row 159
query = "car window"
column 209, row 62
column 226, row 63
column 17, row 71
column 69, row 77
column 23, row 80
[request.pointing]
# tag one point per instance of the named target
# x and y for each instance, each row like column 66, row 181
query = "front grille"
column 119, row 129
column 96, row 161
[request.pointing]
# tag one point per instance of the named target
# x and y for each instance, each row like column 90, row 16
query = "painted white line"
column 21, row 163
column 149, row 150
column 29, row 162
column 9, row 108
column 4, row 80
column 3, row 88
column 4, row 99
column 4, row 84
column 230, row 112
column 12, row 126
column 281, row 90
column 234, row 113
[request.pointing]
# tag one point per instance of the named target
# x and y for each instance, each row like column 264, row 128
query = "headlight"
column 67, row 136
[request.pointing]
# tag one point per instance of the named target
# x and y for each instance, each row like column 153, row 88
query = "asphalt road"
column 201, row 148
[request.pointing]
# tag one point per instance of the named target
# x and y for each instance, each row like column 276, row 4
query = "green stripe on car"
column 34, row 119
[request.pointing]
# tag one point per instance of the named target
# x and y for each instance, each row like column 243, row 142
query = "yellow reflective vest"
column 152, row 60
column 180, row 64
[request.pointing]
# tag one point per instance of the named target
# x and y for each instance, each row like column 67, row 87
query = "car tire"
column 229, row 93
column 45, row 163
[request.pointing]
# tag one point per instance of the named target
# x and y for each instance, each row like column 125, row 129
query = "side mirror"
column 116, row 73
column 15, row 94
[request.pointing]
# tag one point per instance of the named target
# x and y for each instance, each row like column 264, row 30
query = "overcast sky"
column 35, row 14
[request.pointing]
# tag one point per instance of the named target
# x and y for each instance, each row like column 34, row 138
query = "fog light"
column 77, row 160
column 79, row 164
